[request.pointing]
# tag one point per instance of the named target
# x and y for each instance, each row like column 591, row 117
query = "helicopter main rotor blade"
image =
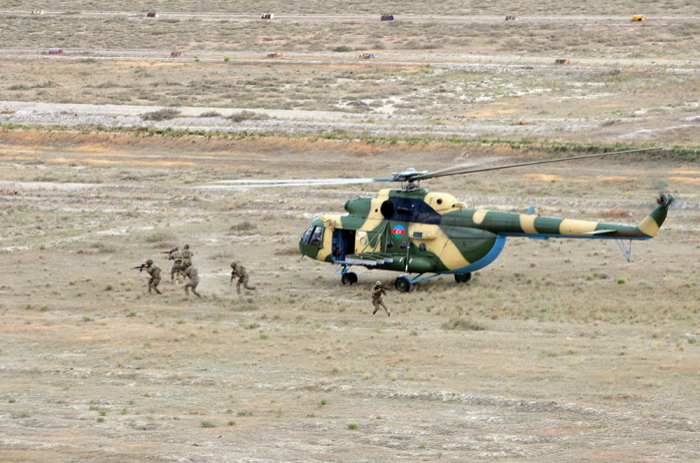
column 228, row 184
column 460, row 168
column 448, row 172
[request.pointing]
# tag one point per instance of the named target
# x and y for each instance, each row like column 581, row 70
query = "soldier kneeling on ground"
column 154, row 272
column 377, row 292
column 191, row 273
column 242, row 274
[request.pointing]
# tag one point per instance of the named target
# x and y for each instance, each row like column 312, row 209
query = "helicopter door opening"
column 343, row 244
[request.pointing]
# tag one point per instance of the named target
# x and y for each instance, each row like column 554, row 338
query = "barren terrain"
column 583, row 356
column 560, row 350
column 448, row 75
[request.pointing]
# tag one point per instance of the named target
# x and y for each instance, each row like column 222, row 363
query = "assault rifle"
column 383, row 288
column 233, row 275
column 140, row 267
column 169, row 252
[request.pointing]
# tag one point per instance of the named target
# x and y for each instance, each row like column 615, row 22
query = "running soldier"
column 154, row 272
column 186, row 254
column 377, row 292
column 191, row 273
column 242, row 274
column 176, row 256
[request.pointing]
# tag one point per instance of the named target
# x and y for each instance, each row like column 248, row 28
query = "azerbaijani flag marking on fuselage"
column 398, row 230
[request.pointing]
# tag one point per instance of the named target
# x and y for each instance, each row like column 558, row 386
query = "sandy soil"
column 584, row 357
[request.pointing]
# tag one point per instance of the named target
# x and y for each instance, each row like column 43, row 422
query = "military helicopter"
column 413, row 231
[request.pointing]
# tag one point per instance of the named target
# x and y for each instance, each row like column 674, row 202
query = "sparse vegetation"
column 160, row 115
column 566, row 350
column 247, row 115
column 463, row 324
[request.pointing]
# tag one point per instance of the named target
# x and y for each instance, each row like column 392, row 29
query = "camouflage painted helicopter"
column 413, row 231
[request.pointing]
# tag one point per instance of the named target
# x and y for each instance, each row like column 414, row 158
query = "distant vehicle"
column 638, row 18
column 55, row 51
column 268, row 16
column 387, row 17
column 562, row 61
column 274, row 55
column 511, row 18
column 38, row 12
column 176, row 54
column 367, row 55
column 152, row 14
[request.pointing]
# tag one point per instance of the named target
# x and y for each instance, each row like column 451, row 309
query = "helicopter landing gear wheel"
column 463, row 277
column 349, row 278
column 403, row 284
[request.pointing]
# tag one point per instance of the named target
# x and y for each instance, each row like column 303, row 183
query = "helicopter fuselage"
column 415, row 231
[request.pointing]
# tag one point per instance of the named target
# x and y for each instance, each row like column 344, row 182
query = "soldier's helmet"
column 234, row 265
column 149, row 262
column 379, row 283
column 187, row 246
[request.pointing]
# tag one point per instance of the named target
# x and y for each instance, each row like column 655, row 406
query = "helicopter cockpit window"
column 317, row 237
column 307, row 234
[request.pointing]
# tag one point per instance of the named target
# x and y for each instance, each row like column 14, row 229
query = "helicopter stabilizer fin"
column 652, row 223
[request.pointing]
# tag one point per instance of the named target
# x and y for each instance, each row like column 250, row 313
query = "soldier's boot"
column 196, row 293
column 375, row 310
column 249, row 287
column 157, row 290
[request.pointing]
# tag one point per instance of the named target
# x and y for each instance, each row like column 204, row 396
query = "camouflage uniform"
column 242, row 274
column 377, row 292
column 191, row 273
column 154, row 272
column 177, row 265
column 186, row 255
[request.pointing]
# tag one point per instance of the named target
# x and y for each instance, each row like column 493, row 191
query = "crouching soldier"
column 191, row 273
column 154, row 271
column 377, row 292
column 242, row 274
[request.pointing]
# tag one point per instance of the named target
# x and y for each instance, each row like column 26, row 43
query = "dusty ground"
column 436, row 74
column 584, row 357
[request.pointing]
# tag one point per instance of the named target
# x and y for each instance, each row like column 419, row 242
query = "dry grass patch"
column 161, row 114
column 463, row 324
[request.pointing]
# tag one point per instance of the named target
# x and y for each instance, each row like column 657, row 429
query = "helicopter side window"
column 317, row 237
column 307, row 234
